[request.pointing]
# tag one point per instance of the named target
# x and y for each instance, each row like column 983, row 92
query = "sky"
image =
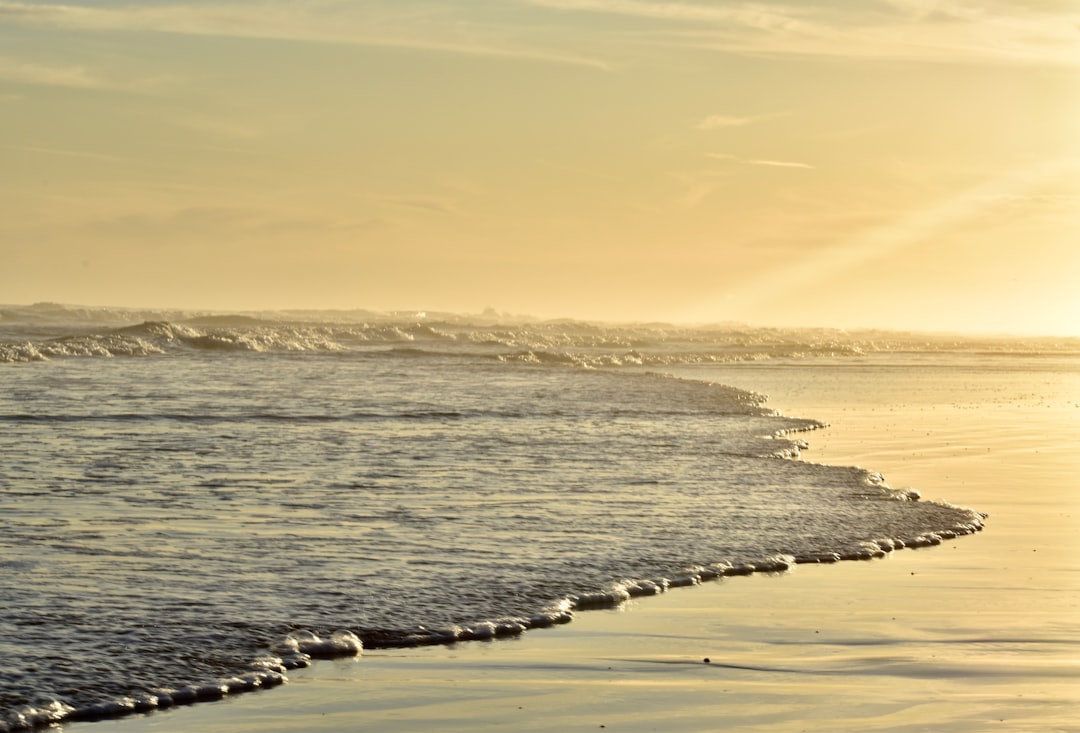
column 907, row 164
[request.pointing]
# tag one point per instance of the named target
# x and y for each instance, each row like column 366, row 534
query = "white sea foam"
column 338, row 644
column 35, row 333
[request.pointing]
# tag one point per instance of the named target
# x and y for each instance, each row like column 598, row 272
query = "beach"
column 976, row 634
column 539, row 365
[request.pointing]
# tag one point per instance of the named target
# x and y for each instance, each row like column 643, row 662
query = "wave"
column 514, row 498
column 269, row 666
column 297, row 649
column 44, row 332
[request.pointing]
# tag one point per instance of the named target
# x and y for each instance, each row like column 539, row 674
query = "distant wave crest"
column 46, row 331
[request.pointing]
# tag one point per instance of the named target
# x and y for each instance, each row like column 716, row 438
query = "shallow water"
column 977, row 634
column 165, row 519
column 980, row 634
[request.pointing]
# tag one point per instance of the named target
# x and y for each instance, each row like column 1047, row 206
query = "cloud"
column 179, row 223
column 213, row 225
column 370, row 24
column 70, row 76
column 696, row 194
column 933, row 31
column 218, row 127
column 719, row 121
column 936, row 9
column 778, row 163
column 758, row 161
column 546, row 31
column 25, row 72
column 429, row 205
column 751, row 15
column 1064, row 201
column 63, row 153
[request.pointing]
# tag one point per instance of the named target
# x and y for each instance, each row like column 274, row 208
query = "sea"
column 194, row 504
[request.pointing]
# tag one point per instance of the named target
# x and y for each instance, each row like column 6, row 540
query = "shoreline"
column 621, row 598
column 970, row 635
column 646, row 656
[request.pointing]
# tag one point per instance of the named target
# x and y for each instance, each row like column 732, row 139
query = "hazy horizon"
column 899, row 164
column 491, row 316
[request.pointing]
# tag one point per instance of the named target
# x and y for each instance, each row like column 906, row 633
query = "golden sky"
column 886, row 163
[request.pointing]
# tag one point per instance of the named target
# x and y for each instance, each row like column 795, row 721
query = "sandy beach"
column 467, row 337
column 977, row 634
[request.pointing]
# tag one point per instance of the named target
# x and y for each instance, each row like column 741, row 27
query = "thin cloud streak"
column 296, row 23
column 73, row 77
column 420, row 204
column 32, row 73
column 695, row 195
column 719, row 121
column 218, row 127
column 944, row 32
column 999, row 33
column 750, row 15
column 64, row 153
column 758, row 161
column 778, row 163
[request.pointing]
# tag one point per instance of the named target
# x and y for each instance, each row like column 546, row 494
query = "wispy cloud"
column 218, row 127
column 937, row 9
column 177, row 223
column 996, row 31
column 778, row 163
column 25, row 72
column 422, row 204
column 71, row 76
column 758, row 161
column 754, row 15
column 205, row 224
column 718, row 121
column 63, row 153
column 714, row 121
column 545, row 31
column 1049, row 200
column 369, row 24
column 695, row 195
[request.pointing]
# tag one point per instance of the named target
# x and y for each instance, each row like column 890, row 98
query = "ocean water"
column 191, row 505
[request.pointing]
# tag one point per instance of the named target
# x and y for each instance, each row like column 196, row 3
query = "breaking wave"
column 39, row 333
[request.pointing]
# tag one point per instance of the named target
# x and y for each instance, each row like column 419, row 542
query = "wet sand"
column 980, row 633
